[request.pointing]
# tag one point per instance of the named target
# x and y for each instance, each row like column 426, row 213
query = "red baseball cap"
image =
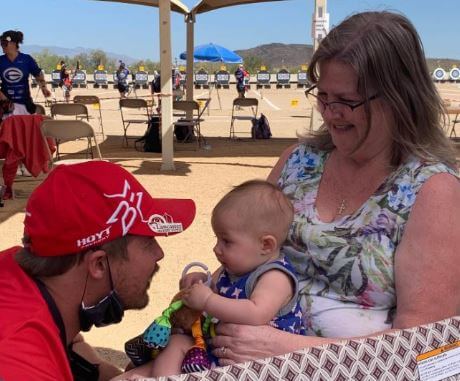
column 80, row 206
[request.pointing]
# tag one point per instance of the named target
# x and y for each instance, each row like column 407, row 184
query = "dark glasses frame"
column 325, row 104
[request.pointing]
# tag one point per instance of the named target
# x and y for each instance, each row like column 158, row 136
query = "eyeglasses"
column 335, row 106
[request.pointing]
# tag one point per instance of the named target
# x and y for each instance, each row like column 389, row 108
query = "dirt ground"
column 204, row 175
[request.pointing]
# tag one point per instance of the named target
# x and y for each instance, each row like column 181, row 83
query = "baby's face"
column 238, row 249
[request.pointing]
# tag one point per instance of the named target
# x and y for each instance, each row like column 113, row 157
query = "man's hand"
column 42, row 84
column 197, row 296
column 46, row 92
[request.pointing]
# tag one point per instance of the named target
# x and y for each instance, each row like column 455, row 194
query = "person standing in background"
column 122, row 79
column 65, row 80
column 239, row 76
column 15, row 68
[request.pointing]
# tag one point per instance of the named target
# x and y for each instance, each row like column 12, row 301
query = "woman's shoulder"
column 306, row 156
column 299, row 163
column 419, row 171
column 408, row 179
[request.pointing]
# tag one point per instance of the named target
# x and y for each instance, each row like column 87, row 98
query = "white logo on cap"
column 125, row 209
column 130, row 208
column 164, row 224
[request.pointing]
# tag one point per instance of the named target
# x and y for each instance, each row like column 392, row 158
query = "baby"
column 255, row 284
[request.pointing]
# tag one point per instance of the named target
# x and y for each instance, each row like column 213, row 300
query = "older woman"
column 376, row 195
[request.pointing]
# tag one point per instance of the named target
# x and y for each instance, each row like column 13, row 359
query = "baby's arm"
column 273, row 290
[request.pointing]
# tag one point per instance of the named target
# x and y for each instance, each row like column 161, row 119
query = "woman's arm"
column 427, row 261
column 245, row 342
column 276, row 170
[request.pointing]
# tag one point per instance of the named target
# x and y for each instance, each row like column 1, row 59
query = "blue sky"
column 133, row 30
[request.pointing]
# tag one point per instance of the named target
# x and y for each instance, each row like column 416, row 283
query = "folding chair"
column 79, row 111
column 39, row 109
column 65, row 130
column 243, row 105
column 141, row 116
column 191, row 107
column 91, row 100
column 76, row 110
column 206, row 102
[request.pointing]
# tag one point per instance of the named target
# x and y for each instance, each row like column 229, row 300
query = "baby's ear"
column 269, row 244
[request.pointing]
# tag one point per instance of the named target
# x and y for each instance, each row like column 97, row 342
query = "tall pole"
column 166, row 86
column 190, row 20
column 319, row 29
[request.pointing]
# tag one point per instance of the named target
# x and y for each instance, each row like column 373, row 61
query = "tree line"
column 90, row 62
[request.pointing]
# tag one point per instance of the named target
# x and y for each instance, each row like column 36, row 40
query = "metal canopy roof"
column 210, row 5
column 176, row 5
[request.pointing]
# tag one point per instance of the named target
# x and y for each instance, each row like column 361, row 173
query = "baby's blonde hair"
column 260, row 206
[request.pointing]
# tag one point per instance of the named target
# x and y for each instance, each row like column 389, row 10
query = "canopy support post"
column 190, row 20
column 319, row 29
column 166, row 87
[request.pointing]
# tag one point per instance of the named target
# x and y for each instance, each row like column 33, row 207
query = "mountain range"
column 274, row 55
column 279, row 56
column 71, row 52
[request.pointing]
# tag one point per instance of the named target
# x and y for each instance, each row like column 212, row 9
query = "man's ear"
column 96, row 262
column 269, row 244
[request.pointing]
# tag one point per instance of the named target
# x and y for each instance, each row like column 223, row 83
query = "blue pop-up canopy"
column 213, row 53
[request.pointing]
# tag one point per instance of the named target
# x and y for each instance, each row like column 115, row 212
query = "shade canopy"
column 213, row 53
column 209, row 5
column 176, row 5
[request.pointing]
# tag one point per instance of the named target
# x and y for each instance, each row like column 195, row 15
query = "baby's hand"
column 192, row 278
column 196, row 296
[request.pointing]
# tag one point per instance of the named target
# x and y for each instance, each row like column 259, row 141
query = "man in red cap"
column 89, row 253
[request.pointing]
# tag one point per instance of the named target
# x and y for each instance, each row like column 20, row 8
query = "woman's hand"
column 237, row 343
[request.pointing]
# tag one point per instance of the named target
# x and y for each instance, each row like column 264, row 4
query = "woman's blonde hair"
column 385, row 51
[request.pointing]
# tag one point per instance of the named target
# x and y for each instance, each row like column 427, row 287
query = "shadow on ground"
column 112, row 148
column 223, row 152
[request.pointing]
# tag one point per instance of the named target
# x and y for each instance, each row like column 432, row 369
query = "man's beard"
column 142, row 301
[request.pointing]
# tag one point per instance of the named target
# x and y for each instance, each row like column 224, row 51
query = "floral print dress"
column 345, row 267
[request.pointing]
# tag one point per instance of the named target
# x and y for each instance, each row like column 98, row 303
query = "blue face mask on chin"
column 108, row 310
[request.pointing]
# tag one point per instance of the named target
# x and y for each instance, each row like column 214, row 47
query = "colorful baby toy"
column 146, row 346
